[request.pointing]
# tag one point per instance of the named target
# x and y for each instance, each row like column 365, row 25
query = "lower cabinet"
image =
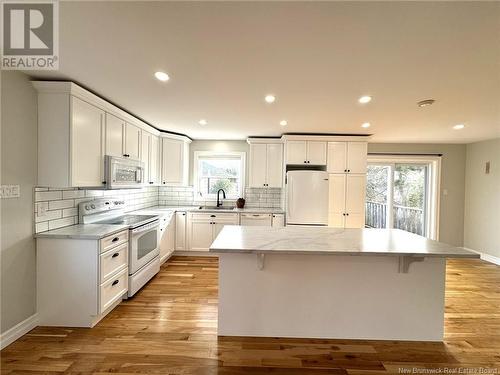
column 180, row 230
column 167, row 237
column 79, row 281
column 202, row 228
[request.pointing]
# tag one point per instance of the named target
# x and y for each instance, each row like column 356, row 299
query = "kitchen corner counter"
column 83, row 231
column 332, row 241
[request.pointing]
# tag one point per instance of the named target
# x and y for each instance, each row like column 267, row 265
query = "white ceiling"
column 317, row 58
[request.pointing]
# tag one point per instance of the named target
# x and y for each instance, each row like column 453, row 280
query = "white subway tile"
column 71, row 194
column 42, row 227
column 48, row 195
column 70, row 212
column 55, row 205
column 60, row 223
column 49, row 215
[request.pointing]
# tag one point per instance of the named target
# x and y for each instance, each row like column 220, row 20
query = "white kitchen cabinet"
column 114, row 135
column 146, row 155
column 132, row 141
column 154, row 161
column 87, row 151
column 278, row 220
column 203, row 228
column 180, row 230
column 266, row 165
column 346, row 204
column 316, row 152
column 306, row 152
column 175, row 161
column 347, row 157
column 79, row 281
column 167, row 236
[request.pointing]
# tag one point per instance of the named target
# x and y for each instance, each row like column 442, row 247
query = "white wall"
column 19, row 166
column 482, row 198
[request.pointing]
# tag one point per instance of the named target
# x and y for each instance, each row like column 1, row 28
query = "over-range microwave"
column 123, row 173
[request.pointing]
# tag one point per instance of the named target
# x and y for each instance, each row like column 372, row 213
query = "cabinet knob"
column 104, row 182
column 347, row 214
column 348, row 170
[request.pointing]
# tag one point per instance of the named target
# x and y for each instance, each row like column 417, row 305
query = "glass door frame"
column 432, row 189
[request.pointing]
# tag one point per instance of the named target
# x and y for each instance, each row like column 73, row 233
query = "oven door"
column 144, row 245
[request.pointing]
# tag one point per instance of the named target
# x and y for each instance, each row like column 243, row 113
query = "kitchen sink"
column 216, row 208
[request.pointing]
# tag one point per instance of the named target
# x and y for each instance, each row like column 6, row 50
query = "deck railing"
column 410, row 219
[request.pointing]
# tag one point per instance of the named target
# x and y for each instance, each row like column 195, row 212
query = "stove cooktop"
column 130, row 220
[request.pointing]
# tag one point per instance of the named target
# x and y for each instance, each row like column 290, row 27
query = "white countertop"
column 83, row 231
column 332, row 241
column 259, row 210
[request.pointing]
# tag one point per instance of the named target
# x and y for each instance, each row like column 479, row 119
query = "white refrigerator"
column 306, row 198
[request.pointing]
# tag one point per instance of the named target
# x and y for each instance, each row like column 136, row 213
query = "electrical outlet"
column 10, row 191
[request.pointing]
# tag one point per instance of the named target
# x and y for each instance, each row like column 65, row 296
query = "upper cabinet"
column 175, row 161
column 266, row 165
column 87, row 151
column 76, row 129
column 347, row 157
column 306, row 152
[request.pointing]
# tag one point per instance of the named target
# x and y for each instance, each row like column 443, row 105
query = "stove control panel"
column 100, row 205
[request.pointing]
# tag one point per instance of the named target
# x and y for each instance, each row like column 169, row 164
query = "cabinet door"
column 180, row 231
column 355, row 201
column 87, row 151
column 172, row 161
column 201, row 234
column 296, row 152
column 145, row 155
column 114, row 135
column 258, row 161
column 132, row 141
column 337, row 157
column 154, row 161
column 274, row 165
column 336, row 200
column 316, row 153
column 278, row 220
column 356, row 157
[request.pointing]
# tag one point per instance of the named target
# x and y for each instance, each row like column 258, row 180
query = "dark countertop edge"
column 340, row 253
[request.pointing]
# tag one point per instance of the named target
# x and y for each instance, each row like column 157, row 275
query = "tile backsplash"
column 57, row 208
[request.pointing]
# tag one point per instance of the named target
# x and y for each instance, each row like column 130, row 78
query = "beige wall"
column 482, row 198
column 451, row 222
column 19, row 167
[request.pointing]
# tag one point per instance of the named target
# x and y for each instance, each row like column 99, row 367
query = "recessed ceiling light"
column 270, row 98
column 162, row 76
column 458, row 126
column 426, row 102
column 365, row 125
column 365, row 99
column 203, row 122
column 283, row 123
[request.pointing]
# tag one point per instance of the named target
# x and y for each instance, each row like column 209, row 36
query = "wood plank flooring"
column 170, row 327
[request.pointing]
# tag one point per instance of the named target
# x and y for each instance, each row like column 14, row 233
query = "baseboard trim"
column 20, row 329
column 486, row 257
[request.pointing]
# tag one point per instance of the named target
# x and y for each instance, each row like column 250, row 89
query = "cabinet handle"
column 126, row 155
column 115, row 255
column 213, row 216
column 104, row 182
column 115, row 239
column 115, row 282
column 163, row 182
column 151, row 182
column 183, row 214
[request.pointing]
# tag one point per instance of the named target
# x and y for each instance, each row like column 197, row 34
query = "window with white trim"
column 218, row 170
column 402, row 192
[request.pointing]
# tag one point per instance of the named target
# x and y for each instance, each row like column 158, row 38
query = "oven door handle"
column 146, row 227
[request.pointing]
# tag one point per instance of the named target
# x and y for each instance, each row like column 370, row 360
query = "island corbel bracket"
column 405, row 261
column 260, row 261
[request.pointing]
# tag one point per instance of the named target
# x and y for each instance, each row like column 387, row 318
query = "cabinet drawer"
column 113, row 289
column 113, row 260
column 212, row 216
column 114, row 240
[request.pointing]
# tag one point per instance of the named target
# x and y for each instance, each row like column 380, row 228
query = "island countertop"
column 331, row 241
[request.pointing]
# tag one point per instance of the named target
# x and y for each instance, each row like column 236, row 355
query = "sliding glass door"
column 398, row 196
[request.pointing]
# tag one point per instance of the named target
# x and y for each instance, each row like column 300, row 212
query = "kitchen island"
column 320, row 282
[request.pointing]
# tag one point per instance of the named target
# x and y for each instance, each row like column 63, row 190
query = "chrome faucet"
column 219, row 203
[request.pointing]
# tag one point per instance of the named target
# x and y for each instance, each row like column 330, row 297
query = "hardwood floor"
column 170, row 327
